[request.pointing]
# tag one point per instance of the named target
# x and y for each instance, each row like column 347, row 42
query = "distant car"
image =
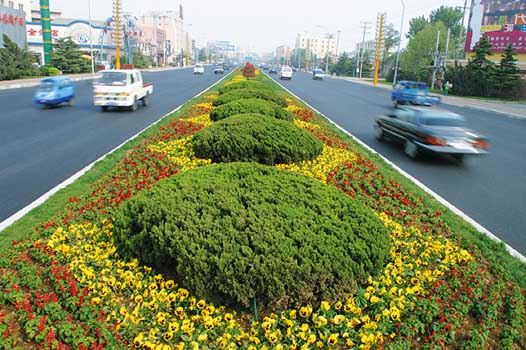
column 318, row 74
column 424, row 130
column 199, row 69
column 273, row 70
column 285, row 73
column 219, row 70
column 55, row 91
column 411, row 92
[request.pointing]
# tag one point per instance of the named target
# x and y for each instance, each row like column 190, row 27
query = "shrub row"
column 240, row 94
column 250, row 105
column 249, row 84
column 232, row 232
column 255, row 138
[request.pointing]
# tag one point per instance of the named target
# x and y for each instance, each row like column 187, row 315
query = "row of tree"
column 18, row 62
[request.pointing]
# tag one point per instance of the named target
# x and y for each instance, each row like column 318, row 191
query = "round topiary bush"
column 250, row 105
column 229, row 232
column 255, row 138
column 241, row 94
column 249, row 84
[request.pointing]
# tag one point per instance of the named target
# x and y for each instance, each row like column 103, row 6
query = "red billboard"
column 502, row 21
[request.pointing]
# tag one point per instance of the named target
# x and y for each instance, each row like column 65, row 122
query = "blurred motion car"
column 55, row 91
column 424, row 130
column 219, row 70
column 318, row 74
column 199, row 68
column 411, row 92
column 285, row 73
column 273, row 70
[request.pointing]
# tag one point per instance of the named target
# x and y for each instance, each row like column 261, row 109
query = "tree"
column 68, row 58
column 483, row 50
column 416, row 25
column 142, row 61
column 202, row 57
column 392, row 37
column 16, row 62
column 451, row 17
column 507, row 79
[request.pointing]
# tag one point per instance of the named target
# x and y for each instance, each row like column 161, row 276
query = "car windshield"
column 46, row 86
column 414, row 86
column 113, row 78
column 318, row 71
column 437, row 119
column 287, row 69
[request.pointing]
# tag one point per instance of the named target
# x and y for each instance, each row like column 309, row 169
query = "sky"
column 266, row 24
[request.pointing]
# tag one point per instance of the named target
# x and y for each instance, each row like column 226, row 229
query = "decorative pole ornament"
column 117, row 31
column 45, row 21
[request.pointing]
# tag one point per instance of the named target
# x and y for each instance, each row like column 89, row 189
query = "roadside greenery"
column 239, row 94
column 68, row 57
column 16, row 62
column 250, row 105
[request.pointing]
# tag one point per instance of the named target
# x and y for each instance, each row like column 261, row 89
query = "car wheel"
column 395, row 104
column 146, row 100
column 104, row 108
column 134, row 106
column 379, row 133
column 459, row 158
column 71, row 102
column 411, row 149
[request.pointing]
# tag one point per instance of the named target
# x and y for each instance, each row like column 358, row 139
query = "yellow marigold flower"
column 137, row 341
column 95, row 301
column 202, row 337
column 338, row 306
column 339, row 319
column 374, row 299
column 312, row 339
column 333, row 339
column 201, row 304
column 292, row 314
column 304, row 327
column 168, row 336
column 325, row 306
column 305, row 311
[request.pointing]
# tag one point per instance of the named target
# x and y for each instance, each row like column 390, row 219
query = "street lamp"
column 399, row 43
column 91, row 40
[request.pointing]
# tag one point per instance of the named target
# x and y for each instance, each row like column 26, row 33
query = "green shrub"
column 52, row 71
column 44, row 70
column 249, row 84
column 229, row 232
column 255, row 138
column 241, row 94
column 250, row 105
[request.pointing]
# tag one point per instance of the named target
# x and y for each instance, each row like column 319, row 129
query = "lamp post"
column 91, row 40
column 399, row 43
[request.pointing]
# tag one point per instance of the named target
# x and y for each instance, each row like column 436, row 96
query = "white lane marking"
column 19, row 214
column 450, row 206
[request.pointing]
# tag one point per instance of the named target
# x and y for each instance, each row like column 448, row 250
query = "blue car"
column 54, row 91
column 414, row 93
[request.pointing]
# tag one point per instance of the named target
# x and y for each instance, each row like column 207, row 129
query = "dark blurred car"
column 219, row 70
column 424, row 130
column 273, row 70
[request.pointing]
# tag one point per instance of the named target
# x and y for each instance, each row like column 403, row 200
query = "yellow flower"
column 168, row 336
column 305, row 311
column 325, row 306
column 333, row 339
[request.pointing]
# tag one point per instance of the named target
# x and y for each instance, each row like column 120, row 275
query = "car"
column 285, row 73
column 121, row 88
column 55, row 91
column 273, row 70
column 411, row 92
column 424, row 130
column 199, row 68
column 318, row 74
column 219, row 70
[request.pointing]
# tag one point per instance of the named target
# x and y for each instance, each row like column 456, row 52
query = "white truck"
column 121, row 88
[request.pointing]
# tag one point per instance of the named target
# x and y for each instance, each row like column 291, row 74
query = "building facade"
column 283, row 53
column 21, row 5
column 368, row 47
column 316, row 45
column 13, row 24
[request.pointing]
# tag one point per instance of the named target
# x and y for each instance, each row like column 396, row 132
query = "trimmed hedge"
column 249, row 84
column 255, row 138
column 229, row 232
column 241, row 94
column 250, row 105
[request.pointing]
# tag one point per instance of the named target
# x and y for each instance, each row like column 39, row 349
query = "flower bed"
column 68, row 288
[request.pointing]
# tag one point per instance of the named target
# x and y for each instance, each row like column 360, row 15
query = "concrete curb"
column 19, row 214
column 443, row 201
column 35, row 82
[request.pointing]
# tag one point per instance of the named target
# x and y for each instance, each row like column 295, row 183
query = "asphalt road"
column 40, row 148
column 490, row 189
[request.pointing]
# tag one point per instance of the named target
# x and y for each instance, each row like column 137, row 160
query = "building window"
column 21, row 7
column 11, row 4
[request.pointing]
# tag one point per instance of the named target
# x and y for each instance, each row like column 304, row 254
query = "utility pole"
column 329, row 38
column 379, row 44
column 435, row 61
column 447, row 50
column 338, row 43
column 364, row 25
column 91, row 40
column 399, row 43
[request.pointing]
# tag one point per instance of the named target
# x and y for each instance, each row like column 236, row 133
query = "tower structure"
column 117, row 31
column 45, row 20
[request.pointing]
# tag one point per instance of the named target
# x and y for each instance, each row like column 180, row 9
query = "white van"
column 285, row 73
column 199, row 68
